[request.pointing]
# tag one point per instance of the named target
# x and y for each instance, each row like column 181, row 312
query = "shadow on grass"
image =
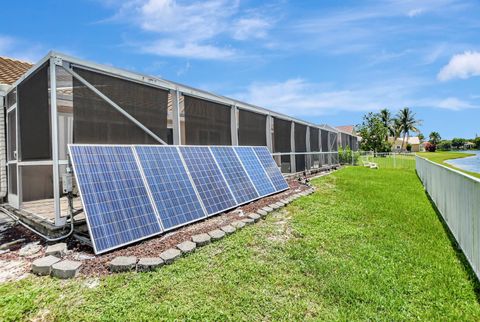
column 458, row 251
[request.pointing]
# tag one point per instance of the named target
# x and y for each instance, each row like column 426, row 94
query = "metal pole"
column 292, row 148
column 177, row 140
column 269, row 132
column 59, row 221
column 234, row 124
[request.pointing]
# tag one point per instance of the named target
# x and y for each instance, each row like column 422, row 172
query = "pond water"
column 469, row 164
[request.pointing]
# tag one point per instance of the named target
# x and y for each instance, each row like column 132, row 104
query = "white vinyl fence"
column 457, row 197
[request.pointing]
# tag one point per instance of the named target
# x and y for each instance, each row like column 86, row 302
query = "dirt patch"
column 15, row 266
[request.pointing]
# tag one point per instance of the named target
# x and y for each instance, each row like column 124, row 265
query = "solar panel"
column 233, row 171
column 114, row 197
column 208, row 179
column 172, row 191
column 255, row 170
column 271, row 168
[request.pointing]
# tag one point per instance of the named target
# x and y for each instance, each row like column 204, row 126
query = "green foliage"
column 444, row 145
column 421, row 137
column 373, row 133
column 458, row 143
column 366, row 246
column 348, row 156
column 435, row 138
column 409, row 147
column 477, row 142
column 407, row 122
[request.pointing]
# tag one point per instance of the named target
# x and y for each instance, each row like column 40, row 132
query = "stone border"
column 54, row 266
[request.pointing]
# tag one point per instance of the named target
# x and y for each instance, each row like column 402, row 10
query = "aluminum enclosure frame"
column 176, row 90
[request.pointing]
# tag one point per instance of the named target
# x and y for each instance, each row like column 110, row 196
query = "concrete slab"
column 255, row 217
column 170, row 255
column 201, row 239
column 238, row 224
column 66, row 269
column 147, row 264
column 58, row 250
column 187, row 247
column 228, row 229
column 123, row 264
column 216, row 234
column 43, row 266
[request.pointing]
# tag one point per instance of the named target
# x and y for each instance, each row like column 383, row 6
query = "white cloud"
column 171, row 47
column 462, row 66
column 455, row 104
column 246, row 28
column 192, row 29
column 415, row 12
column 21, row 49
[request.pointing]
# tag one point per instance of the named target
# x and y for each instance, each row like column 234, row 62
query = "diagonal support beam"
column 113, row 104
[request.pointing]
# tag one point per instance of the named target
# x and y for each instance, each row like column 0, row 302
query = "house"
column 414, row 141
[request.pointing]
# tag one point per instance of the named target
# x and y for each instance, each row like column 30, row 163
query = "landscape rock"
column 255, row 217
column 123, row 264
column 66, row 269
column 216, row 234
column 238, row 224
column 170, row 255
column 58, row 250
column 201, row 239
column 248, row 221
column 228, row 229
column 262, row 213
column 187, row 247
column 274, row 206
column 30, row 249
column 267, row 209
column 147, row 264
column 43, row 266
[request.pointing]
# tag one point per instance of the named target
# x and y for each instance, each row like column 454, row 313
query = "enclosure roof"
column 12, row 69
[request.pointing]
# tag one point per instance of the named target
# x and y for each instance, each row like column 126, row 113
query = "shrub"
column 429, row 147
column 409, row 147
column 444, row 145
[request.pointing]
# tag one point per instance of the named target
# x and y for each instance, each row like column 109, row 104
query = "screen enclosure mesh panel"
column 271, row 168
column 208, row 178
column 132, row 192
column 255, row 170
column 240, row 184
column 170, row 185
column 114, row 196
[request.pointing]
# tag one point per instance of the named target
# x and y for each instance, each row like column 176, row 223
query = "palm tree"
column 407, row 121
column 435, row 138
column 387, row 121
column 397, row 129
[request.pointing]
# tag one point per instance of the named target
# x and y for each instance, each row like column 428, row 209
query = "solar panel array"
column 131, row 193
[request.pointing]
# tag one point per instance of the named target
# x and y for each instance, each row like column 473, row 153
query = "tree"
column 373, row 132
column 477, row 142
column 408, row 123
column 457, row 143
column 397, row 129
column 387, row 121
column 421, row 137
column 435, row 138
column 444, row 145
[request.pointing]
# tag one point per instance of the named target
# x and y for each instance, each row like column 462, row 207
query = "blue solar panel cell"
column 172, row 191
column 208, row 179
column 271, row 168
column 115, row 200
column 234, row 173
column 255, row 170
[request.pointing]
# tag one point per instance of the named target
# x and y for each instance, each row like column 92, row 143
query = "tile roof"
column 12, row 69
column 346, row 128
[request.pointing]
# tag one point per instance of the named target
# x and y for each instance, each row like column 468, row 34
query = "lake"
column 469, row 164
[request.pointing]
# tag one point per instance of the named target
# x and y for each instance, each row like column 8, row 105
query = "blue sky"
column 322, row 61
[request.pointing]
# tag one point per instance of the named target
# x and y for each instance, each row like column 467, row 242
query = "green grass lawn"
column 441, row 157
column 366, row 246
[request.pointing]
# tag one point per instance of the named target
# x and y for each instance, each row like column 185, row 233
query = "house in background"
column 414, row 141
